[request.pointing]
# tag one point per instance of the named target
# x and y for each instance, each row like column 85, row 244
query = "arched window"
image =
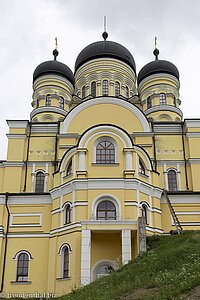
column 144, row 212
column 67, row 214
column 64, row 251
column 105, row 88
column 93, row 89
column 39, row 185
column 149, row 104
column 61, row 102
column 106, row 210
column 103, row 271
column 66, row 262
column 69, row 168
column 48, row 100
column 117, row 89
column 162, row 99
column 127, row 92
column 22, row 267
column 83, row 92
column 105, row 153
column 172, row 182
column 142, row 168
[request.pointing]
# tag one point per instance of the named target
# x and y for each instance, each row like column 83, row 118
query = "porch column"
column 85, row 256
column 126, row 246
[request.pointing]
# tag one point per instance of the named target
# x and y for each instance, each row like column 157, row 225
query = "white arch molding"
column 104, row 197
column 100, row 263
column 104, row 100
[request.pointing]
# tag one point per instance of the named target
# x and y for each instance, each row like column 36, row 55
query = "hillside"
column 169, row 270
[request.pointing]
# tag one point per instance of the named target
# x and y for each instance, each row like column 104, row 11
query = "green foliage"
column 171, row 266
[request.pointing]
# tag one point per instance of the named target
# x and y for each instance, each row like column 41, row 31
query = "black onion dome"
column 158, row 66
column 54, row 67
column 105, row 49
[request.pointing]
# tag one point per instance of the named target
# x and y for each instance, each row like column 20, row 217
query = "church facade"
column 100, row 148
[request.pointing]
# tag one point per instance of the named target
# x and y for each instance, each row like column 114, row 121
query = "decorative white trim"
column 20, row 252
column 66, row 157
column 47, row 116
column 44, row 128
column 26, row 215
column 13, row 164
column 18, row 124
column 182, row 199
column 106, row 129
column 192, row 123
column 85, row 256
column 179, row 177
column 102, row 263
column 103, row 197
column 163, row 108
column 154, row 229
column 108, row 222
column 44, row 109
column 126, row 246
column 106, row 183
column 27, row 199
column 193, row 134
column 28, row 235
column 104, row 100
column 16, row 136
column 61, row 253
column 168, row 117
column 65, row 228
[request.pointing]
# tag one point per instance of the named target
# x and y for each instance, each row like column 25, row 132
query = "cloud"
column 28, row 29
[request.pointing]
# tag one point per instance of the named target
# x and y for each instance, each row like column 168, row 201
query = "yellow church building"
column 100, row 148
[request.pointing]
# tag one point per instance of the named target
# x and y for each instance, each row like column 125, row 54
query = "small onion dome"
column 103, row 49
column 158, row 66
column 54, row 67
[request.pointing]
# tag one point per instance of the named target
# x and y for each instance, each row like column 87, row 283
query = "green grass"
column 171, row 266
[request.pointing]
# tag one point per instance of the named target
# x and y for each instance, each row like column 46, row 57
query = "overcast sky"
column 27, row 37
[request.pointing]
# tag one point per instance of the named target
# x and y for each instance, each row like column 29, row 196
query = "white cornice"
column 170, row 163
column 192, row 123
column 49, row 109
column 135, row 134
column 180, row 199
column 167, row 128
column 18, row 124
column 26, row 199
column 13, row 164
column 106, row 183
column 193, row 161
column 44, row 128
column 193, row 134
column 108, row 222
column 16, row 136
column 161, row 108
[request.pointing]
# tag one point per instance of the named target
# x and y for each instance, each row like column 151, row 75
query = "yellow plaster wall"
column 105, row 114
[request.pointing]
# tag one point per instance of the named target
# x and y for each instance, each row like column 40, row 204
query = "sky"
column 27, row 38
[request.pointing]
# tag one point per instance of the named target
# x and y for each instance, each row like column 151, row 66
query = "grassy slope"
column 171, row 266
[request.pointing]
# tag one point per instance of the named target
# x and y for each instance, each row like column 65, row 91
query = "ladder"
column 175, row 219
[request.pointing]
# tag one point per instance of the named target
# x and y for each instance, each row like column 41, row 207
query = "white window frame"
column 105, row 197
column 61, row 253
